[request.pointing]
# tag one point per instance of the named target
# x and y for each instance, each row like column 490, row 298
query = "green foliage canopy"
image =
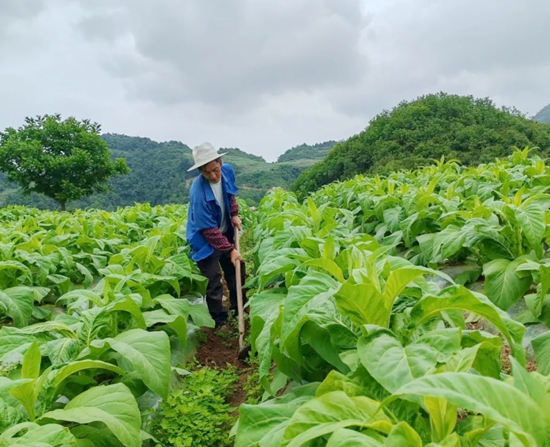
column 65, row 160
column 413, row 133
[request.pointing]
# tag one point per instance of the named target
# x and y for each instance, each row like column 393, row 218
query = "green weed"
column 197, row 414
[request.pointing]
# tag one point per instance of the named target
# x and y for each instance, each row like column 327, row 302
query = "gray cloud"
column 492, row 48
column 263, row 75
column 232, row 53
column 20, row 9
column 14, row 15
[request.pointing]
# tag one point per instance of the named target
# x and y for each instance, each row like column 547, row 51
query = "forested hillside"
column 159, row 174
column 544, row 115
column 414, row 133
column 307, row 152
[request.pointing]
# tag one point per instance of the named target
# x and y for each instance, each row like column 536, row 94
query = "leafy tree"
column 413, row 133
column 65, row 160
column 544, row 115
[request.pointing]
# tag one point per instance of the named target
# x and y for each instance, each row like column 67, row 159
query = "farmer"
column 212, row 214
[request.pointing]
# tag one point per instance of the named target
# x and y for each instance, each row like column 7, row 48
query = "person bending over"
column 212, row 215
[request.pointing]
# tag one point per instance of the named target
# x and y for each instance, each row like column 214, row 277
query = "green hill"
column 159, row 174
column 544, row 115
column 307, row 152
column 414, row 133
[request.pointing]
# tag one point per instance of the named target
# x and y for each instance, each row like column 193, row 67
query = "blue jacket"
column 204, row 211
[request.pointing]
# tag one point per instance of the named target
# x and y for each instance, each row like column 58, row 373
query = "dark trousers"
column 212, row 267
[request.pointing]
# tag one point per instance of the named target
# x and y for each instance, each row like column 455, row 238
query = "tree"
column 65, row 160
column 414, row 133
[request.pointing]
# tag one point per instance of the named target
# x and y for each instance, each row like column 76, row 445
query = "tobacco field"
column 395, row 310
column 402, row 310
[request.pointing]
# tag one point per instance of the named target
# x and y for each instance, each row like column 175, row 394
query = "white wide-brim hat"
column 204, row 154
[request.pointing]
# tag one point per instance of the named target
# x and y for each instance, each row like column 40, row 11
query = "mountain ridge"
column 159, row 174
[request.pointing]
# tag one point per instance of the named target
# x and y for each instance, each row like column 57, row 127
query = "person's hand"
column 235, row 257
column 237, row 223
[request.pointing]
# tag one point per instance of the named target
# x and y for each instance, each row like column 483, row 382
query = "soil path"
column 219, row 350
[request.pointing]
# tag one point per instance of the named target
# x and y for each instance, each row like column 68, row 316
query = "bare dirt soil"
column 221, row 349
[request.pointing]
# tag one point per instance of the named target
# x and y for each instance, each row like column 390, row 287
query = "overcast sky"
column 263, row 75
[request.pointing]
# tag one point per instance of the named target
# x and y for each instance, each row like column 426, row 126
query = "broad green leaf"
column 81, row 296
column 463, row 360
column 9, row 416
column 280, row 262
column 327, row 339
column 31, row 362
column 264, row 314
column 46, row 327
column 531, row 219
column 88, row 277
column 492, row 398
column 181, row 306
column 452, row 241
column 12, row 345
column 391, row 364
column 330, row 412
column 18, row 306
column 61, row 281
column 265, row 423
column 487, row 349
column 400, row 278
column 25, row 276
column 8, row 384
column 327, row 265
column 200, row 315
column 460, row 298
column 503, row 284
column 61, row 374
column 37, row 293
column 541, row 346
column 453, row 440
column 445, row 341
column 12, row 431
column 259, row 423
column 393, row 217
column 363, row 304
column 442, row 417
column 179, row 325
column 345, row 437
column 530, row 385
column 25, row 393
column 329, row 248
column 149, row 354
column 306, row 301
column 336, row 381
column 403, row 435
column 52, row 435
column 127, row 304
column 61, row 350
column 113, row 405
column 94, row 321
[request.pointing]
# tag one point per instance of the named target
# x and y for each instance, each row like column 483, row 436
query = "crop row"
column 92, row 306
column 362, row 337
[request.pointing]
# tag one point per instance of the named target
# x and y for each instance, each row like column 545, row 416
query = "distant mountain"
column 306, row 152
column 544, row 115
column 159, row 174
